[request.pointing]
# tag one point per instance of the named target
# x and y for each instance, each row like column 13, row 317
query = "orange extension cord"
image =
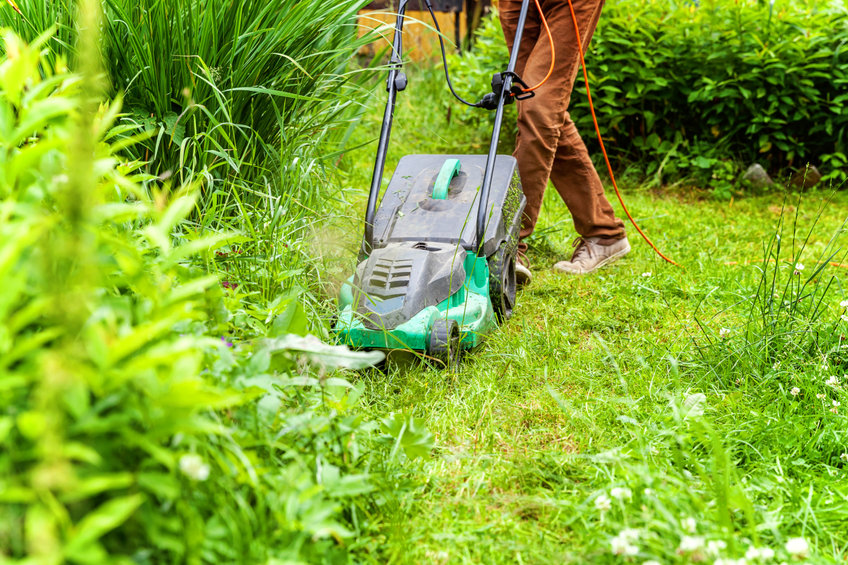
column 553, row 50
column 594, row 117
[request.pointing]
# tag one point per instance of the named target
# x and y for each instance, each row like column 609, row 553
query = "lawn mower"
column 436, row 270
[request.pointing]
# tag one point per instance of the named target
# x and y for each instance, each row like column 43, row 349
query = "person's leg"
column 541, row 118
column 508, row 11
column 573, row 173
column 577, row 182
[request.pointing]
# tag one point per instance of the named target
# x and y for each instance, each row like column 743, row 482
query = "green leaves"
column 408, row 434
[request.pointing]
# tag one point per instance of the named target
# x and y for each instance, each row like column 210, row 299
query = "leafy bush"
column 683, row 87
column 133, row 430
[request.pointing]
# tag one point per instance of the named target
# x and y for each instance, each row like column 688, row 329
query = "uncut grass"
column 585, row 389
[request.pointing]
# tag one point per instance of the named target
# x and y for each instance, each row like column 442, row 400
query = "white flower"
column 194, row 467
column 630, row 534
column 647, row 274
column 688, row 544
column 820, row 395
column 843, row 304
column 723, row 332
column 623, row 543
column 621, row 493
column 603, row 502
column 648, row 491
column 795, row 391
column 836, row 404
column 715, row 547
column 651, row 562
column 832, row 381
column 844, row 456
column 762, row 553
column 797, row 547
column 799, row 267
column 689, row 524
column 844, row 318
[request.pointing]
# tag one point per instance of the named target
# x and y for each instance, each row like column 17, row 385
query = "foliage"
column 688, row 88
column 134, row 430
column 249, row 99
column 216, row 81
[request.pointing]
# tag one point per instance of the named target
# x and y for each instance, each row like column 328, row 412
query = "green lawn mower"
column 436, row 269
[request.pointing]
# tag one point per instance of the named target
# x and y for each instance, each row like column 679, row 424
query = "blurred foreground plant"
column 133, row 430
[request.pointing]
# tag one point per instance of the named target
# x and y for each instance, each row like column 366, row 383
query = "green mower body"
column 428, row 284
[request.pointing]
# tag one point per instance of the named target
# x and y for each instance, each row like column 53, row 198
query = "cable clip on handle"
column 517, row 91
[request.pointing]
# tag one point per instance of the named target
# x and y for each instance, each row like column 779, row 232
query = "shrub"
column 683, row 86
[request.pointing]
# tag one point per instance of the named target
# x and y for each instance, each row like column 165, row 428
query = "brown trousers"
column 548, row 145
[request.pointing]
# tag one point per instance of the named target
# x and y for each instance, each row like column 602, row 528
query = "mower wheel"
column 502, row 282
column 444, row 343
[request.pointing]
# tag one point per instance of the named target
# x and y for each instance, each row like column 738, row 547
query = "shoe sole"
column 604, row 263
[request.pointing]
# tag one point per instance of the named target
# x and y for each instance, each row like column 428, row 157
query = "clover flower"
column 714, row 547
column 759, row 553
column 795, row 391
column 690, row 544
column 723, row 332
column 689, row 524
column 843, row 304
column 844, row 456
column 624, row 542
column 820, row 395
column 620, row 493
column 193, row 467
column 603, row 503
column 646, row 274
column 798, row 268
column 832, row 381
column 797, row 547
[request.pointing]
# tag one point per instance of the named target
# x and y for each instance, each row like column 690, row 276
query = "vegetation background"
column 178, row 206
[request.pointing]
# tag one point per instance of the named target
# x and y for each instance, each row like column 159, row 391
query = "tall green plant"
column 132, row 431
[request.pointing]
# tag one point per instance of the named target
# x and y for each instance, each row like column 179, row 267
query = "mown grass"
column 631, row 379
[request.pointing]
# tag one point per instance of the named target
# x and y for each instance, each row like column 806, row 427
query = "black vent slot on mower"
column 390, row 275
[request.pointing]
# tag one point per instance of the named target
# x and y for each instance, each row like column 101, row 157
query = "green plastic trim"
column 470, row 306
column 449, row 170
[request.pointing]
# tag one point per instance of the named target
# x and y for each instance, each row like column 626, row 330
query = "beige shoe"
column 522, row 275
column 590, row 255
column 522, row 270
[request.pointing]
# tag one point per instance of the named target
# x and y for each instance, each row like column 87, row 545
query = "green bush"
column 134, row 430
column 681, row 87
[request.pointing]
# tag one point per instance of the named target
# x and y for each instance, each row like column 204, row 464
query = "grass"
column 660, row 381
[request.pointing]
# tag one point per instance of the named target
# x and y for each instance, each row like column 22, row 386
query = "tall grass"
column 249, row 99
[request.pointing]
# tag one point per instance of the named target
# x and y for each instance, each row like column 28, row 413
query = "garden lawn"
column 645, row 412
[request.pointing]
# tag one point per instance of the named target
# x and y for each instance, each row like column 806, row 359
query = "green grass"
column 596, row 383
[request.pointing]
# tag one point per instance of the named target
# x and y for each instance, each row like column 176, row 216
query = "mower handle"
column 505, row 93
column 395, row 83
